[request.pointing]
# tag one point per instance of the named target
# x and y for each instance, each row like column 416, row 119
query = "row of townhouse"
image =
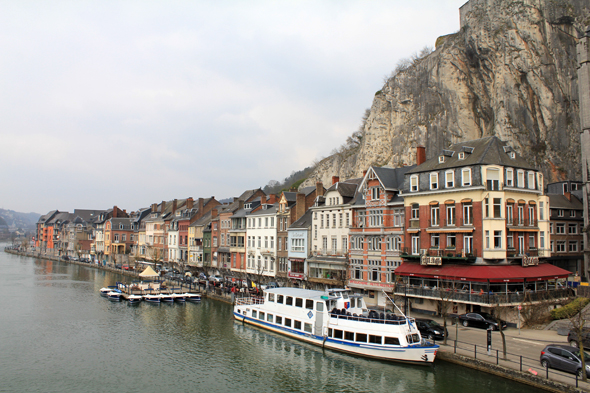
column 474, row 216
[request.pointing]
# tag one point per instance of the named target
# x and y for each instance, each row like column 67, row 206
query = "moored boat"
column 134, row 299
column 339, row 321
column 152, row 298
column 179, row 297
column 192, row 297
column 115, row 295
column 104, row 291
column 167, row 297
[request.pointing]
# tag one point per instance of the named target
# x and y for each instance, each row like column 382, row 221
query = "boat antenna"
column 395, row 305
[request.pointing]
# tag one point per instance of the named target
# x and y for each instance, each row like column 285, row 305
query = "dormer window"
column 414, row 183
column 512, row 154
column 461, row 155
column 434, row 181
column 375, row 193
column 450, row 179
column 441, row 159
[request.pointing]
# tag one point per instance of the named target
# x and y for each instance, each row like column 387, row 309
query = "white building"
column 261, row 234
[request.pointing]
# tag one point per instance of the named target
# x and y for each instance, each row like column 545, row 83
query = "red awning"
column 544, row 271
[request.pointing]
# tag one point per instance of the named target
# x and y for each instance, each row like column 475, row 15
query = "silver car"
column 565, row 358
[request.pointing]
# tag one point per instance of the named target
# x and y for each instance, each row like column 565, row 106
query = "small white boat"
column 152, row 298
column 179, row 297
column 104, row 291
column 167, row 297
column 134, row 299
column 192, row 297
column 115, row 295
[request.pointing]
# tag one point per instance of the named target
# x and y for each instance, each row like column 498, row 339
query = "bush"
column 570, row 309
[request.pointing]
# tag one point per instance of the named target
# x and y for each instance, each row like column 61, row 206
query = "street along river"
column 57, row 334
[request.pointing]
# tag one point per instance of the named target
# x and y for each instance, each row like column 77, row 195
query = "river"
column 57, row 334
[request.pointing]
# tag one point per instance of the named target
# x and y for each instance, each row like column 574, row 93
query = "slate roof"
column 246, row 195
column 304, row 221
column 488, row 150
column 558, row 201
column 392, row 178
column 203, row 221
column 88, row 215
column 269, row 210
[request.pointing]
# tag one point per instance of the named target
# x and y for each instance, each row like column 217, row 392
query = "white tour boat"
column 133, row 299
column 192, row 297
column 152, row 298
column 337, row 320
column 115, row 295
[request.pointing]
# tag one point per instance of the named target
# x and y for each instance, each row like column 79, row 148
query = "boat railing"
column 249, row 301
column 387, row 319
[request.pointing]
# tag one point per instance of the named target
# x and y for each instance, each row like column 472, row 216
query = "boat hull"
column 416, row 354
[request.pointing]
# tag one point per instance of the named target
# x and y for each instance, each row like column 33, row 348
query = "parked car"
column 572, row 338
column 216, row 278
column 565, row 358
column 270, row 285
column 430, row 329
column 480, row 320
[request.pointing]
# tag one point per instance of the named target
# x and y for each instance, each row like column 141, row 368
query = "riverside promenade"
column 465, row 346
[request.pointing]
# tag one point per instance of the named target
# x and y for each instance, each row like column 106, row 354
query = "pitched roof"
column 489, row 150
column 558, row 201
column 303, row 222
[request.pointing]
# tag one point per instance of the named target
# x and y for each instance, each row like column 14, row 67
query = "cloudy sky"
column 128, row 103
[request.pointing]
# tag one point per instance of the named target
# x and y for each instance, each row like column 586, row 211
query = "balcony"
column 531, row 252
column 448, row 254
column 466, row 296
column 521, row 222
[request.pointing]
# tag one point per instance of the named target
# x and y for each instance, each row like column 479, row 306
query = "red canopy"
column 512, row 273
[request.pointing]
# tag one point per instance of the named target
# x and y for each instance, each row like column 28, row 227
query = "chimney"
column 568, row 195
column 214, row 213
column 200, row 205
column 163, row 207
column 189, row 203
column 420, row 155
column 335, row 179
column 299, row 205
column 364, row 173
column 272, row 199
column 235, row 199
column 262, row 200
column 174, row 203
column 154, row 207
column 319, row 189
column 240, row 203
column 115, row 209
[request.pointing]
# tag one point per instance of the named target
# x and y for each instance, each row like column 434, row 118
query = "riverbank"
column 469, row 350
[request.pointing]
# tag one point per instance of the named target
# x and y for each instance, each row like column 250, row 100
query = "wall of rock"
column 510, row 71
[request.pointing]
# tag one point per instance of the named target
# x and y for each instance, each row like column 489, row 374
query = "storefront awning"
column 512, row 273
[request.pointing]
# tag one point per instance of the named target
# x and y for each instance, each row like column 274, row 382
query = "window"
column 434, row 181
column 398, row 217
column 531, row 180
column 435, row 240
column 573, row 246
column 450, row 179
column 466, row 177
column 307, row 327
column 414, row 183
column 486, row 207
column 493, row 179
column 560, row 228
column 497, row 207
column 375, row 193
column 551, row 228
column 487, row 239
column 520, row 183
column 334, row 220
column 415, row 211
column 560, row 246
column 467, row 214
column 334, row 245
column 541, row 210
column 532, row 241
column 450, row 215
column 288, row 322
column 572, row 214
column 509, row 177
column 340, row 220
column 497, row 239
column 434, row 216
column 560, row 213
column 344, row 244
column 451, row 241
column 542, row 240
column 376, row 218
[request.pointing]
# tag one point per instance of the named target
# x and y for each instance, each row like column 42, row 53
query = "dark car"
column 480, row 320
column 565, row 358
column 572, row 338
column 430, row 329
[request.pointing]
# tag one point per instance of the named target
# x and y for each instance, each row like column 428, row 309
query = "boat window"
column 289, row 301
column 309, row 304
column 345, row 295
column 329, row 332
column 271, row 297
column 319, row 306
column 239, row 311
column 391, row 341
column 298, row 302
column 253, row 313
column 361, row 337
column 413, row 338
column 375, row 339
column 307, row 327
column 297, row 325
column 338, row 334
column 288, row 322
column 280, row 299
column 261, row 316
column 349, row 336
column 279, row 320
column 269, row 317
column 352, row 302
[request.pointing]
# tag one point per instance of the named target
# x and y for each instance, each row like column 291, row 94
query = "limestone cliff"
column 510, row 71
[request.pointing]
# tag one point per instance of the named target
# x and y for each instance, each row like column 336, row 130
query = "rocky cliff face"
column 510, row 71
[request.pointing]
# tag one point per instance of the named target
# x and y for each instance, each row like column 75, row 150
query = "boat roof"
column 306, row 293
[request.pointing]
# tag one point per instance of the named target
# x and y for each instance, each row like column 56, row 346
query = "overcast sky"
column 129, row 103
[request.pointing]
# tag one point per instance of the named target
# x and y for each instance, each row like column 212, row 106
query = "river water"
column 57, row 334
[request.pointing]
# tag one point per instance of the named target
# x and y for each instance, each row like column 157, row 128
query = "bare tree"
column 500, row 310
